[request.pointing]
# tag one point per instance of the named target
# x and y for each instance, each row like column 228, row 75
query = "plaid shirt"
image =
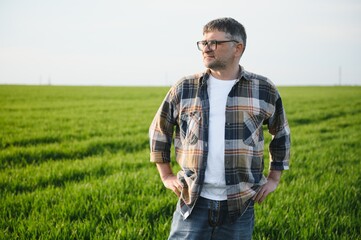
column 252, row 102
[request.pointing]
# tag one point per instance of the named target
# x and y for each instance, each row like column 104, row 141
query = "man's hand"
column 270, row 186
column 169, row 180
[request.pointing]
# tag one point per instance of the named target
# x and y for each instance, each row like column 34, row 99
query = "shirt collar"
column 241, row 74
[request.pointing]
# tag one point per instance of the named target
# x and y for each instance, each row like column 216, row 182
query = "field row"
column 74, row 164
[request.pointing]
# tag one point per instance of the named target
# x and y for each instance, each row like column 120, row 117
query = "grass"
column 74, row 164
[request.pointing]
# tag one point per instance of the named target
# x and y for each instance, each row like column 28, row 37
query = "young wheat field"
column 74, row 164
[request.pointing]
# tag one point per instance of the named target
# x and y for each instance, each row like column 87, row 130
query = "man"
column 217, row 117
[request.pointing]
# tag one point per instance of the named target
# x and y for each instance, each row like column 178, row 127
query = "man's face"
column 223, row 56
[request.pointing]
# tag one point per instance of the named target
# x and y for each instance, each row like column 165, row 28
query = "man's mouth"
column 208, row 57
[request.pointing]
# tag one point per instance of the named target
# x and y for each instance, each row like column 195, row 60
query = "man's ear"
column 240, row 49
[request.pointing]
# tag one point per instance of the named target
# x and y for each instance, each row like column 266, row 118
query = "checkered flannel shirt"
column 252, row 102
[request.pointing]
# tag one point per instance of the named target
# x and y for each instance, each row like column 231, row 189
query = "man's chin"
column 208, row 64
column 213, row 66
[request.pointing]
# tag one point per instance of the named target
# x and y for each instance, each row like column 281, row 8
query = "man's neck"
column 226, row 74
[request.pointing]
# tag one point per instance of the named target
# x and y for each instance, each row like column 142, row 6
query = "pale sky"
column 142, row 42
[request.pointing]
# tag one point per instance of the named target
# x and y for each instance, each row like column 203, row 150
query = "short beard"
column 216, row 65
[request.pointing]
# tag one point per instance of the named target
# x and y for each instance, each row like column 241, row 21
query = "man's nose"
column 207, row 48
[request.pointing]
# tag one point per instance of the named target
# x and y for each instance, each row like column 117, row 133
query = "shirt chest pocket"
column 244, row 125
column 252, row 128
column 189, row 127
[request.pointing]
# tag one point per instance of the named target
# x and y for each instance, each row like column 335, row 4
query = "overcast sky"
column 142, row 42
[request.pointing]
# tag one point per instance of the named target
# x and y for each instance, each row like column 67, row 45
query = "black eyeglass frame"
column 202, row 44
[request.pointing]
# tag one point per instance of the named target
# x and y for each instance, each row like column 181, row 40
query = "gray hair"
column 231, row 27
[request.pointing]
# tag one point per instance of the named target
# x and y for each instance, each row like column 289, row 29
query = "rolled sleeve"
column 161, row 132
column 280, row 144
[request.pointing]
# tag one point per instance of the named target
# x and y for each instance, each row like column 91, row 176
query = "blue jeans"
column 209, row 220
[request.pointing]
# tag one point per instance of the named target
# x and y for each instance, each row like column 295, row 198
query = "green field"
column 74, row 164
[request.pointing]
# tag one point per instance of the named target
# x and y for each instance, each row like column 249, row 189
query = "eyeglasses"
column 212, row 44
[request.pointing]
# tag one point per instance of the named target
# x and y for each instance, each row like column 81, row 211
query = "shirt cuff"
column 279, row 166
column 159, row 157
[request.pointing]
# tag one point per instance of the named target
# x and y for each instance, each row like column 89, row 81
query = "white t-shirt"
column 214, row 183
